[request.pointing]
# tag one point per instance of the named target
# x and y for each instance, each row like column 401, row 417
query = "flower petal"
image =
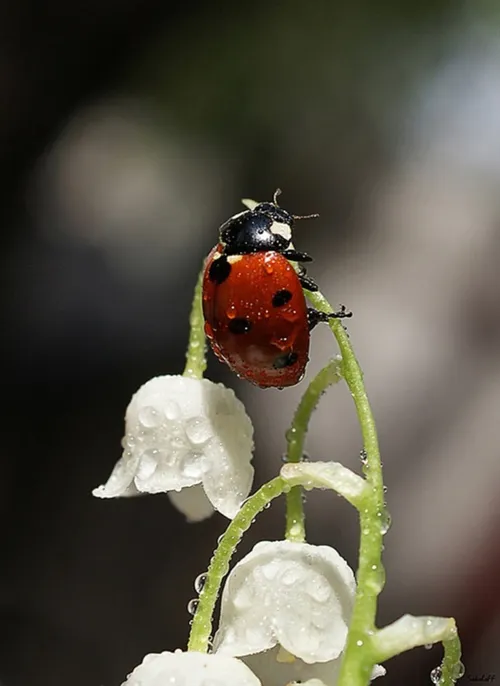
column 273, row 669
column 192, row 502
column 181, row 432
column 295, row 594
column 191, row 669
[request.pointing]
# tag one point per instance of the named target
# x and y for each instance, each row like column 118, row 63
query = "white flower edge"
column 181, row 432
column 332, row 475
column 295, row 595
column 195, row 669
column 274, row 669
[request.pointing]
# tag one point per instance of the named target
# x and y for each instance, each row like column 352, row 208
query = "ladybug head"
column 265, row 227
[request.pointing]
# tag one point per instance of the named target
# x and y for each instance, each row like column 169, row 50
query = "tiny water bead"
column 192, row 606
column 199, row 582
column 377, row 577
column 436, row 675
column 384, row 520
column 458, row 670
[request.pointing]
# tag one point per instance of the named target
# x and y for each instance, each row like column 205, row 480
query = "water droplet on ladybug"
column 231, row 312
column 281, row 343
column 290, row 315
column 268, row 266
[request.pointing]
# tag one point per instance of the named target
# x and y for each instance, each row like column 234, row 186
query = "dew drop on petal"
column 148, row 464
column 290, row 576
column 198, row 430
column 245, row 597
column 320, row 619
column 149, row 417
column 194, row 465
column 128, row 441
column 171, row 410
column 269, row 571
column 318, row 589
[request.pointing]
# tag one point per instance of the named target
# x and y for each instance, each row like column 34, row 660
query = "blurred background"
column 128, row 132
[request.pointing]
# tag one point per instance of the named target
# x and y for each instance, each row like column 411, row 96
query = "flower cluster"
column 291, row 612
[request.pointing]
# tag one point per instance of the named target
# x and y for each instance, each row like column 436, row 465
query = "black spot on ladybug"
column 219, row 270
column 239, row 325
column 285, row 360
column 281, row 298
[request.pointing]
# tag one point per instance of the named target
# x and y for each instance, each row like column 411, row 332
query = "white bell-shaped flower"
column 285, row 610
column 191, row 669
column 297, row 595
column 181, row 432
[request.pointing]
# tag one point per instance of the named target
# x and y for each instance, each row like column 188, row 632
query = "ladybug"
column 256, row 316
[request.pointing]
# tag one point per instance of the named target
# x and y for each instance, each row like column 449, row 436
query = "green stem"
column 451, row 667
column 195, row 356
column 295, row 436
column 201, row 627
column 357, row 663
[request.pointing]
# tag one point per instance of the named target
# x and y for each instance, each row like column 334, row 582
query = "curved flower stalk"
column 285, row 610
column 195, row 669
column 296, row 434
column 182, row 432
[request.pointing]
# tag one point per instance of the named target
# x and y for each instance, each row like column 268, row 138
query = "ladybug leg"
column 296, row 256
column 306, row 281
column 314, row 317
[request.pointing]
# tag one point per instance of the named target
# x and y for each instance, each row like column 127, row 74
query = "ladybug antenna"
column 305, row 216
column 276, row 195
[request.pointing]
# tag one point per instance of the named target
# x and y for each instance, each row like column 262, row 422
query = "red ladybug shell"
column 256, row 316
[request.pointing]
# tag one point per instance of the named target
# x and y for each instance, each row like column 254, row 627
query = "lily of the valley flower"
column 195, row 669
column 285, row 610
column 184, row 433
